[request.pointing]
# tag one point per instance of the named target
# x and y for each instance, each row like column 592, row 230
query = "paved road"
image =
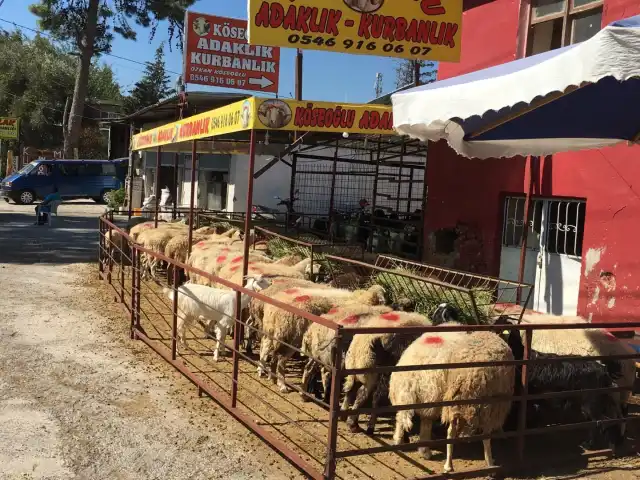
column 80, row 400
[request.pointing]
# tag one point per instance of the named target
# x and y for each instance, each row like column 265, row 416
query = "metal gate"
column 554, row 250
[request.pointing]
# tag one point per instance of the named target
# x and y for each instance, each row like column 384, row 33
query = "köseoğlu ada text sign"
column 414, row 29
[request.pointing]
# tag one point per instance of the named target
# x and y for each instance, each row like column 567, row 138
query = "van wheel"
column 104, row 197
column 26, row 197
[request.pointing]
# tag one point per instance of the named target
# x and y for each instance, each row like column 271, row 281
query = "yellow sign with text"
column 414, row 29
column 228, row 119
column 276, row 114
column 9, row 128
column 272, row 114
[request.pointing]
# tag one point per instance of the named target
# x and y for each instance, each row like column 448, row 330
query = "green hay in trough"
column 425, row 297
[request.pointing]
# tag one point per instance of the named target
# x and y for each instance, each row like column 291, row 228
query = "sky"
column 327, row 76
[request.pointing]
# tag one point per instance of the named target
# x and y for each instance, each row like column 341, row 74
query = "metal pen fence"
column 308, row 433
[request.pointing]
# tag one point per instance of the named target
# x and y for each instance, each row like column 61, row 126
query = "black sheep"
column 567, row 376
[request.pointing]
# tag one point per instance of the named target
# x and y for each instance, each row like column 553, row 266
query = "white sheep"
column 427, row 386
column 216, row 307
column 376, row 350
column 282, row 328
column 318, row 341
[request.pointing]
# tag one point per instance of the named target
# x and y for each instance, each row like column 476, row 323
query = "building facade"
column 581, row 243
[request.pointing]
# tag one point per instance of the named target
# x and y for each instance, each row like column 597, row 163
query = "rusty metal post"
column 424, row 240
column 333, row 188
column 138, row 275
column 525, row 228
column 334, row 407
column 522, row 417
column 121, row 263
column 194, row 153
column 410, row 194
column 134, row 287
column 176, row 159
column 174, row 324
column 100, row 248
column 239, row 331
column 298, row 79
column 416, row 73
column 132, row 131
column 108, row 247
column 374, row 200
column 157, row 186
column 400, row 169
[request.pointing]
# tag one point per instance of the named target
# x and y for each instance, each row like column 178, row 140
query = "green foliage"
column 153, row 87
column 88, row 28
column 93, row 144
column 405, row 72
column 36, row 77
column 68, row 20
column 116, row 198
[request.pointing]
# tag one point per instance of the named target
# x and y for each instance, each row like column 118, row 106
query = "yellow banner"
column 414, row 29
column 276, row 114
column 271, row 114
column 228, row 119
column 9, row 128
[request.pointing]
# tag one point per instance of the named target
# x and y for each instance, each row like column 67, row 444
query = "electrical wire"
column 45, row 34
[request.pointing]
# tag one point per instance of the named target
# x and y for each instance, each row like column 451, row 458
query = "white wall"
column 275, row 181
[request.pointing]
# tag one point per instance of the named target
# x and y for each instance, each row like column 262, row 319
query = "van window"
column 91, row 170
column 43, row 169
column 108, row 169
column 69, row 169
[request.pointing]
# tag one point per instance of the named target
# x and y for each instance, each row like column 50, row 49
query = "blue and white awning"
column 578, row 97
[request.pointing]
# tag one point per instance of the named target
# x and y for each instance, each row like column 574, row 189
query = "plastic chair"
column 53, row 211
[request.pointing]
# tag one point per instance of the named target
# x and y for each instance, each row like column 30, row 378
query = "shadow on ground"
column 71, row 239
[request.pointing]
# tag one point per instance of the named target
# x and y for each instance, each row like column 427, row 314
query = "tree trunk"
column 74, row 127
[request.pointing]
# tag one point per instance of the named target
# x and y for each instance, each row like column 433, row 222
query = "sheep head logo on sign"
column 364, row 6
column 275, row 114
column 201, row 26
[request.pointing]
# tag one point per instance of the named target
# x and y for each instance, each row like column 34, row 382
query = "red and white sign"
column 217, row 54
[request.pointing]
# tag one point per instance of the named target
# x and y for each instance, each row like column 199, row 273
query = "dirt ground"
column 78, row 399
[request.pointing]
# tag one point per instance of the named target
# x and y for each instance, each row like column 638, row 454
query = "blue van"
column 74, row 178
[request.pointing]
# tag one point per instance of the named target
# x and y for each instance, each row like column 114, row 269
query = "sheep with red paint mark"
column 376, row 350
column 256, row 308
column 283, row 331
column 430, row 386
column 318, row 341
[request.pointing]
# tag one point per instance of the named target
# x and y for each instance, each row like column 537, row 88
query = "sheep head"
column 444, row 313
column 257, row 283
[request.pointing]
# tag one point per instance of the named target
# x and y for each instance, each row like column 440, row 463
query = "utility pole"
column 378, row 85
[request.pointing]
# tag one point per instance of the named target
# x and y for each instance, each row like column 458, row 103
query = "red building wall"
column 470, row 192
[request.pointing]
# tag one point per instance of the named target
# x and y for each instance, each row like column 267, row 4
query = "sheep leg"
column 326, row 383
column 404, row 422
column 425, row 435
column 349, row 394
column 282, row 370
column 488, row 455
column 378, row 393
column 309, row 369
column 363, row 393
column 451, row 433
column 221, row 335
column 181, row 330
column 265, row 348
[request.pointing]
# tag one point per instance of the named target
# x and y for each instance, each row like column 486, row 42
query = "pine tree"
column 89, row 26
column 152, row 87
column 405, row 72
